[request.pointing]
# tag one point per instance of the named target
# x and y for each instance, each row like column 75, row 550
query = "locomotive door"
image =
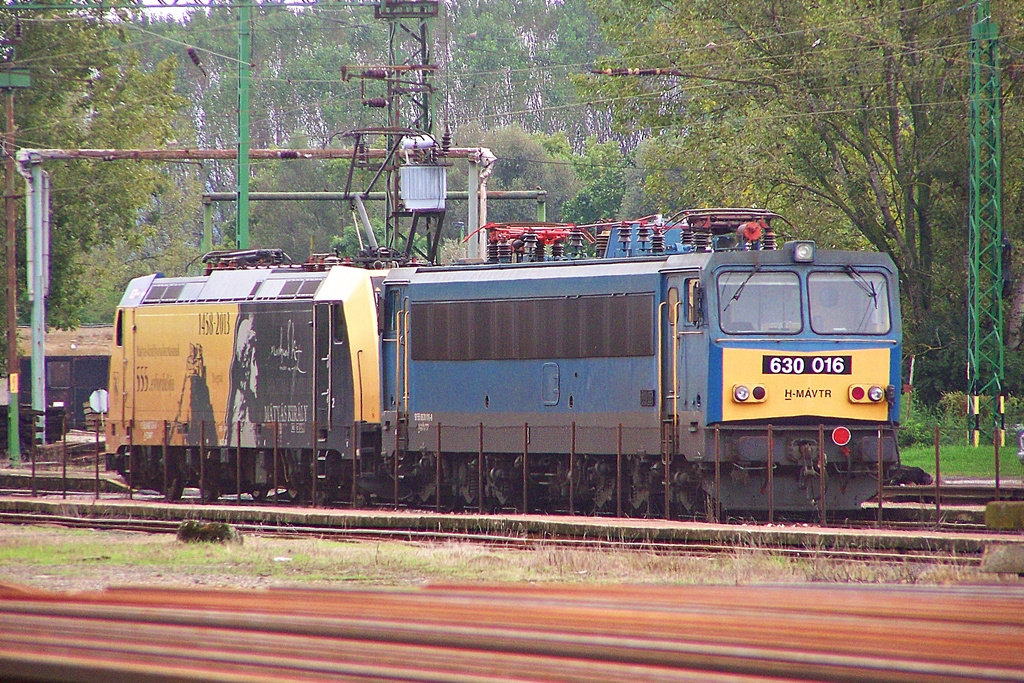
column 393, row 356
column 125, row 338
column 679, row 318
column 322, row 366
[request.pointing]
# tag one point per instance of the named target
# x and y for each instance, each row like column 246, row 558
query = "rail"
column 451, row 633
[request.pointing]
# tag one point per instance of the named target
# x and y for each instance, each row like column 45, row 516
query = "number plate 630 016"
column 806, row 365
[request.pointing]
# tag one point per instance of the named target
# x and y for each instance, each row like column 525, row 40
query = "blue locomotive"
column 692, row 368
column 705, row 369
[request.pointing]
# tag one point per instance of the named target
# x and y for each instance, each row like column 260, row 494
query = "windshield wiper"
column 739, row 290
column 862, row 282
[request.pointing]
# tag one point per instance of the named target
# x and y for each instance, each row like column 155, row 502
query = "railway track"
column 955, row 493
column 505, row 633
column 681, row 547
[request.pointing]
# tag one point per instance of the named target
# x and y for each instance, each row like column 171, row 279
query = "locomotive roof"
column 784, row 256
column 245, row 284
column 500, row 272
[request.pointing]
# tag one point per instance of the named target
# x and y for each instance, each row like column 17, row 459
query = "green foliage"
column 170, row 230
column 194, row 531
column 847, row 119
column 89, row 90
column 525, row 162
column 950, row 415
column 601, row 170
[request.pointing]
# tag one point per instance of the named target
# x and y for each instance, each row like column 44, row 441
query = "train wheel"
column 210, row 492
column 176, row 487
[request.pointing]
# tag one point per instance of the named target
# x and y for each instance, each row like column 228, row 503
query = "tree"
column 851, row 113
column 601, row 170
column 527, row 162
column 88, row 90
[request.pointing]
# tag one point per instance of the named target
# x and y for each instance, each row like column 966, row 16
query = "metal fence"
column 526, row 441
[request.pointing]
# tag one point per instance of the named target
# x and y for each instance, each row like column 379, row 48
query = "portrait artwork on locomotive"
column 689, row 367
column 237, row 377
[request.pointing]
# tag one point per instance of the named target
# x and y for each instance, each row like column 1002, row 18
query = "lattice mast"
column 985, row 230
column 410, row 90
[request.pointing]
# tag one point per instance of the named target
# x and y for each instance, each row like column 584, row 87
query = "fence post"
column 33, row 462
column 618, row 475
column 437, row 472
column 98, row 419
column 480, row 471
column 163, row 456
column 771, row 476
column 822, row 460
column 881, row 495
column 64, row 475
column 996, row 439
column 572, row 468
column 395, row 479
column 667, row 470
column 238, row 462
column 131, row 458
column 938, row 478
column 718, row 475
column 526, row 466
column 316, row 455
column 356, row 451
column 277, row 432
column 202, row 461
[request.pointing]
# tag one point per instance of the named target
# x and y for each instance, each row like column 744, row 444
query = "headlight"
column 742, row 393
column 803, row 252
column 876, row 394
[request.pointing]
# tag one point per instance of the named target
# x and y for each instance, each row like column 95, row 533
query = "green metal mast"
column 244, row 58
column 985, row 228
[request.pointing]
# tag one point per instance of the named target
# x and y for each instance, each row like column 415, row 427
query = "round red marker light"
column 840, row 436
column 758, row 393
column 857, row 393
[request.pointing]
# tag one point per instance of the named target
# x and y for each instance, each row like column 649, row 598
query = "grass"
column 965, row 461
column 62, row 559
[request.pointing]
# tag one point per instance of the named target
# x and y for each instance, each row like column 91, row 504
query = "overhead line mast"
column 985, row 230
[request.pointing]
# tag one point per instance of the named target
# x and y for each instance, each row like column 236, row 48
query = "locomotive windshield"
column 758, row 301
column 849, row 302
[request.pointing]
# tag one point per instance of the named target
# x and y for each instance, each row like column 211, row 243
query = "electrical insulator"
column 658, row 241
column 530, row 247
column 377, row 102
column 576, row 242
column 643, row 236
column 504, row 252
column 625, row 235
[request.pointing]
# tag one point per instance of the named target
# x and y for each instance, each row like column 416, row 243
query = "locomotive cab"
column 803, row 366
